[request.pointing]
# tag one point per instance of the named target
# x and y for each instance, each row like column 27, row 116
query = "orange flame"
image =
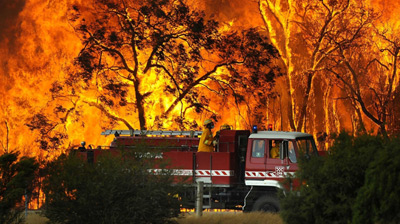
column 38, row 46
column 39, row 52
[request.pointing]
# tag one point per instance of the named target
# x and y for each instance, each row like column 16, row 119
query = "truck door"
column 275, row 166
column 288, row 156
column 258, row 151
column 255, row 165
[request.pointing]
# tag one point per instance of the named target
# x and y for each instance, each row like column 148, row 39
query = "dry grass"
column 207, row 218
column 34, row 217
column 237, row 218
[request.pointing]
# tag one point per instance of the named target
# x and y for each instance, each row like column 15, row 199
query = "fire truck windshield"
column 291, row 153
column 307, row 146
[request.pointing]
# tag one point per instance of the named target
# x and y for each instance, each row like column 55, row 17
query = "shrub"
column 378, row 201
column 330, row 184
column 115, row 189
column 16, row 177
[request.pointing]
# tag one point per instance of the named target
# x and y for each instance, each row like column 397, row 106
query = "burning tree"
column 368, row 73
column 16, row 180
column 149, row 57
column 301, row 32
column 308, row 35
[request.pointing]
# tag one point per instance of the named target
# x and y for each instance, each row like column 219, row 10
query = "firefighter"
column 274, row 153
column 217, row 134
column 82, row 147
column 207, row 139
column 223, row 127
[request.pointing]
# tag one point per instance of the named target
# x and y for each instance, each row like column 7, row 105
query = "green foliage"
column 117, row 188
column 16, row 177
column 378, row 201
column 331, row 183
column 299, row 207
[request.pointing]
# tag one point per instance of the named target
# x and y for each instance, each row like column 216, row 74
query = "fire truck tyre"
column 267, row 203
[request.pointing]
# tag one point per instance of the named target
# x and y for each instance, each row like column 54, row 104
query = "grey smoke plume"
column 9, row 11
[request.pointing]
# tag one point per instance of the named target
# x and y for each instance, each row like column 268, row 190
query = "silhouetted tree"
column 330, row 184
column 50, row 138
column 378, row 199
column 136, row 51
column 367, row 71
column 16, row 180
column 116, row 188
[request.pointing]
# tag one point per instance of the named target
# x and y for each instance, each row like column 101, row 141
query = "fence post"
column 199, row 199
column 26, row 204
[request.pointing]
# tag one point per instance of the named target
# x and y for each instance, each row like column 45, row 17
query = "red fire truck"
column 244, row 172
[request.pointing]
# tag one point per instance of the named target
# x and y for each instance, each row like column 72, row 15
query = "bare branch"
column 195, row 83
column 108, row 114
column 108, row 49
column 377, row 61
column 170, row 76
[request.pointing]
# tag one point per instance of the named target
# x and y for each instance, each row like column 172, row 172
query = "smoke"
column 9, row 11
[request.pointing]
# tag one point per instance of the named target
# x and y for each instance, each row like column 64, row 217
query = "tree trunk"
column 303, row 110
column 139, row 106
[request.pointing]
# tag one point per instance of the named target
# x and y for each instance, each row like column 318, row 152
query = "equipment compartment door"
column 203, row 168
column 223, row 164
column 181, row 164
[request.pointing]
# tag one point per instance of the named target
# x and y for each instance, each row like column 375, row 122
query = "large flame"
column 38, row 48
column 39, row 44
column 310, row 36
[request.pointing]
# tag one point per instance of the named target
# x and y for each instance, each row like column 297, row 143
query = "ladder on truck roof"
column 155, row 133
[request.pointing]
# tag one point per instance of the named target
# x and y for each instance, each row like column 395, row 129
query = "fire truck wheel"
column 267, row 203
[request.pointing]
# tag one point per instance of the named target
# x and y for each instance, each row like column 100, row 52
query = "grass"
column 191, row 218
column 228, row 218
column 34, row 217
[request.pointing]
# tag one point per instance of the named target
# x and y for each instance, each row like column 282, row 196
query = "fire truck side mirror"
column 283, row 148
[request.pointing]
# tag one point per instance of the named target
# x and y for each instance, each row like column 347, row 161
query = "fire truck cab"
column 271, row 157
column 244, row 172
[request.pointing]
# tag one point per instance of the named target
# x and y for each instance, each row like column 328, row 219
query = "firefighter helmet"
column 225, row 127
column 208, row 121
